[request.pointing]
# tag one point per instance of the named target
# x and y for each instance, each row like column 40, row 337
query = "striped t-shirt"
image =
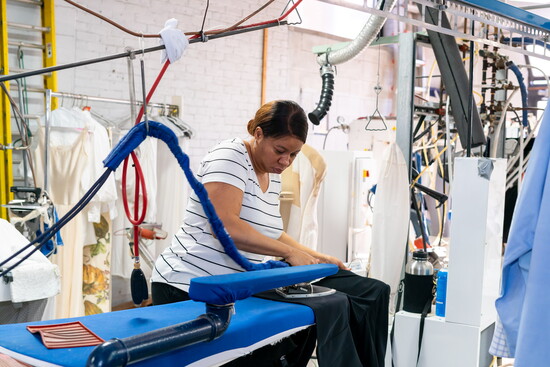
column 194, row 251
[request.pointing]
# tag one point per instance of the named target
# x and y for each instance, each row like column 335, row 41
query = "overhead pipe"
column 364, row 39
column 328, row 59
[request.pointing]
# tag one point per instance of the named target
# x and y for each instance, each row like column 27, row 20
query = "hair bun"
column 250, row 127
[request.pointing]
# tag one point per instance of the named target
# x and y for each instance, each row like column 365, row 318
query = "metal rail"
column 130, row 53
column 495, row 24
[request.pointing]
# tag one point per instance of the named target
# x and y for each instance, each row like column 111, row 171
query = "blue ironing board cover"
column 265, row 318
column 254, row 320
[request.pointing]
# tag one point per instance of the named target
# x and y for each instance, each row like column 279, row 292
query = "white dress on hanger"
column 77, row 145
column 66, row 166
column 303, row 179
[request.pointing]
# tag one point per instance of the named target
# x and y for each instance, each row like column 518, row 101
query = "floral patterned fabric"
column 96, row 276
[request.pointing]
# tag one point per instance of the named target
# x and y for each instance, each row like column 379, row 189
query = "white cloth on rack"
column 304, row 178
column 173, row 190
column 71, row 172
column 105, row 200
column 175, row 41
column 35, row 278
column 62, row 120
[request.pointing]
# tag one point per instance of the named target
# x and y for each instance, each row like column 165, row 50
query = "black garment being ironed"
column 352, row 325
column 365, row 315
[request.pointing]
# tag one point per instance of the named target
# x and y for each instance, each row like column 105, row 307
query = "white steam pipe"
column 366, row 36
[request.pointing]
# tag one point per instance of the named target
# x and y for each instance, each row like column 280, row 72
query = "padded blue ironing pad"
column 225, row 289
column 255, row 319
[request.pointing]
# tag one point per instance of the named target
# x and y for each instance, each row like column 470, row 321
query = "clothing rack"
column 173, row 110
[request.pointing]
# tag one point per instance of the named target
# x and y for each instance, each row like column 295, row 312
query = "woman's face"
column 274, row 155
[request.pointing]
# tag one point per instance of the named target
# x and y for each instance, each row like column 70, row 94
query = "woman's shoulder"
column 234, row 144
column 230, row 150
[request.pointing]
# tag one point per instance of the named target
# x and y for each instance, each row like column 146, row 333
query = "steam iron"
column 304, row 290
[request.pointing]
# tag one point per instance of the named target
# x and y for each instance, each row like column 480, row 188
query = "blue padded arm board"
column 255, row 320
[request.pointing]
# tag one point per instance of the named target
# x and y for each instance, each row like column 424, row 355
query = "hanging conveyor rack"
column 495, row 23
column 501, row 25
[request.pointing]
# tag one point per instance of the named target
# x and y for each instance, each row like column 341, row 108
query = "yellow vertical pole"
column 6, row 171
column 48, row 20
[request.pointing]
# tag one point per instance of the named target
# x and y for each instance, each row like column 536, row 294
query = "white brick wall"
column 220, row 81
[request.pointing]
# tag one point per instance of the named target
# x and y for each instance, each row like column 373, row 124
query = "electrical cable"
column 510, row 65
column 44, row 237
column 437, row 156
column 427, row 130
column 543, row 74
column 137, row 34
column 204, row 17
column 425, row 239
column 104, row 18
column 496, row 135
column 326, row 135
column 419, row 124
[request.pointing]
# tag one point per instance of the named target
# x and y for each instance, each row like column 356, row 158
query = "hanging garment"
column 77, row 146
column 67, row 164
column 390, row 221
column 172, row 188
column 524, row 301
column 303, row 180
column 96, row 280
column 105, row 200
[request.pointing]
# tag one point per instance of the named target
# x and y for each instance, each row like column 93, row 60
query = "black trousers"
column 369, row 312
column 366, row 319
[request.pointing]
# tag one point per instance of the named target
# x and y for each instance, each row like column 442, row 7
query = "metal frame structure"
column 48, row 49
column 494, row 23
column 6, row 173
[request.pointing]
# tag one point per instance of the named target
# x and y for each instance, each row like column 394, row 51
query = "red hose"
column 137, row 219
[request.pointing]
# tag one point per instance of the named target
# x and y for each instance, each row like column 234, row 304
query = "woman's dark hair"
column 280, row 118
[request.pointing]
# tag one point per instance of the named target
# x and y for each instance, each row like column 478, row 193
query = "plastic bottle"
column 418, row 282
column 441, row 293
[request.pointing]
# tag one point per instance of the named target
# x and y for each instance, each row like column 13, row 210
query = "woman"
column 243, row 183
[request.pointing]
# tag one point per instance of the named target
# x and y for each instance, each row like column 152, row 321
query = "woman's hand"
column 327, row 259
column 297, row 257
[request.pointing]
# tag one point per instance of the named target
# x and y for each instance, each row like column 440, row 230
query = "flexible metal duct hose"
column 366, row 36
column 327, row 74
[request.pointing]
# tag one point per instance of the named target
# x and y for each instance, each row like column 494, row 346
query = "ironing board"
column 256, row 322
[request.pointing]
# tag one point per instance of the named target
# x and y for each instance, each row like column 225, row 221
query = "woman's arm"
column 227, row 200
column 323, row 258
